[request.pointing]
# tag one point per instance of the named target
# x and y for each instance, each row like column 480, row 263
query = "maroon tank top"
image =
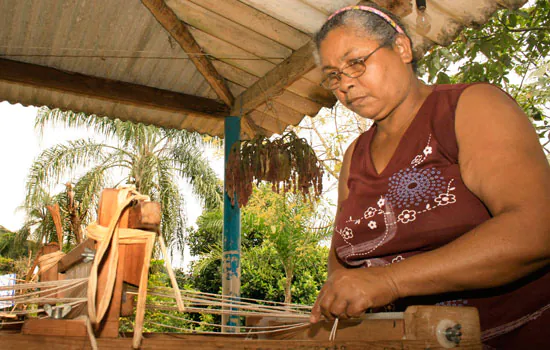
column 419, row 203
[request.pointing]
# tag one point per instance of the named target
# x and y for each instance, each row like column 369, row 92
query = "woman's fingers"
column 316, row 309
column 326, row 303
column 338, row 308
column 348, row 293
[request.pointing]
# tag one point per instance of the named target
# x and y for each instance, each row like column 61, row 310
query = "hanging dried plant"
column 288, row 163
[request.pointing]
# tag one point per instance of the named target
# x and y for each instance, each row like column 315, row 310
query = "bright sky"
column 20, row 144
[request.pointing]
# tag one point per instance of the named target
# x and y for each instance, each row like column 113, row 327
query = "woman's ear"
column 403, row 46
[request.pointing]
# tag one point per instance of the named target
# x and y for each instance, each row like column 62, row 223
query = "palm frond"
column 172, row 204
column 191, row 164
column 61, row 159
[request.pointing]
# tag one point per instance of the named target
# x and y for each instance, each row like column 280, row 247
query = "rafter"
column 178, row 30
column 109, row 90
column 274, row 81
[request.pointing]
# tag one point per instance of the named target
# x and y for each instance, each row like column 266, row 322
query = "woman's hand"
column 350, row 292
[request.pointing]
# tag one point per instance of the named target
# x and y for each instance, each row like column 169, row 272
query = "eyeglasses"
column 353, row 69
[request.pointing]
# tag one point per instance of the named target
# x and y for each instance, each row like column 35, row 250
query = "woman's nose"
column 346, row 83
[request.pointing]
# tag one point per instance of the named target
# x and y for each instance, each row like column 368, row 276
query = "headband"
column 377, row 12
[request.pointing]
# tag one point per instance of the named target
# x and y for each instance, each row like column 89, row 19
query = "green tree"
column 280, row 242
column 151, row 158
column 510, row 50
column 293, row 227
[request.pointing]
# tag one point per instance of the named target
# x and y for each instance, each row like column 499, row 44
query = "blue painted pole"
column 231, row 259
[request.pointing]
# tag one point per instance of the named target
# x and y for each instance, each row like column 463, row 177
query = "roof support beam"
column 178, row 30
column 109, row 90
column 276, row 80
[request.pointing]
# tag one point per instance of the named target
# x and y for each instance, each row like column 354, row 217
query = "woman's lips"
column 356, row 100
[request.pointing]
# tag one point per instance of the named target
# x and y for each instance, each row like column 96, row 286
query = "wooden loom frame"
column 419, row 327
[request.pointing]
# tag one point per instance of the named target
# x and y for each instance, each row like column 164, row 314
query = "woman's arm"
column 502, row 163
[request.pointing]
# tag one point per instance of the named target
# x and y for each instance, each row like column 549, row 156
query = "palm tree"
column 39, row 225
column 151, row 158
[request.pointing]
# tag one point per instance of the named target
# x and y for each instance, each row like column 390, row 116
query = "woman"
column 445, row 199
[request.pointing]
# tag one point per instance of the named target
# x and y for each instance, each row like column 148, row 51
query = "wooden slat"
column 236, row 89
column 235, row 75
column 74, row 256
column 232, row 55
column 203, row 342
column 110, row 90
column 280, row 111
column 256, row 21
column 108, row 204
column 307, row 89
column 276, row 79
column 298, row 103
column 227, row 30
column 178, row 30
column 267, row 122
column 54, row 328
column 329, row 6
column 295, row 13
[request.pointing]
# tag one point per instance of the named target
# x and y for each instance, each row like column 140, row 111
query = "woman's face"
column 383, row 85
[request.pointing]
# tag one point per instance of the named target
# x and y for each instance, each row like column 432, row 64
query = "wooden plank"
column 330, row 6
column 233, row 55
column 51, row 273
column 232, row 32
column 256, row 21
column 110, row 90
column 267, row 122
column 372, row 330
column 235, row 75
column 305, row 88
column 133, row 262
column 74, row 256
column 276, row 79
column 107, row 207
column 298, row 103
column 281, row 112
column 175, row 341
column 423, row 322
column 178, row 30
column 81, row 270
column 54, row 328
column 145, row 216
column 235, row 89
column 295, row 13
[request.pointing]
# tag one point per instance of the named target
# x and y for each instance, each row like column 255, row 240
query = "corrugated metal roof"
column 122, row 41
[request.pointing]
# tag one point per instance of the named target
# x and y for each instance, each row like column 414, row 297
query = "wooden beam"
column 110, row 90
column 272, row 83
column 178, row 30
column 74, row 256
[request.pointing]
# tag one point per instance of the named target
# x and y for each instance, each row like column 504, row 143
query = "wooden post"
column 107, row 208
column 231, row 259
column 51, row 273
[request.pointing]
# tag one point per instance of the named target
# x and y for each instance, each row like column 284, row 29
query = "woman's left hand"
column 350, row 292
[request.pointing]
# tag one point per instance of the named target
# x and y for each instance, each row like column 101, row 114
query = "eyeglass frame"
column 339, row 72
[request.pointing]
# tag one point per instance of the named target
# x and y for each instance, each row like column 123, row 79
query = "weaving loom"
column 78, row 303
